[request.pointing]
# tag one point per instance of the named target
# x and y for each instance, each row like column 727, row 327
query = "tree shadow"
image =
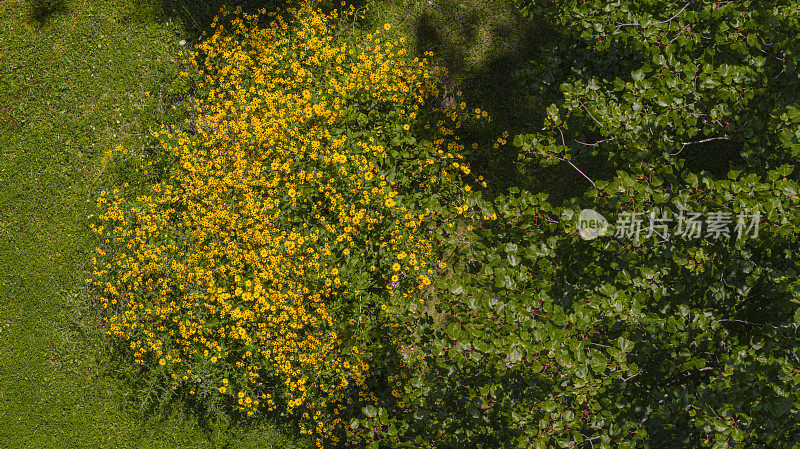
column 151, row 401
column 485, row 53
column 513, row 68
column 198, row 16
column 715, row 157
column 42, row 10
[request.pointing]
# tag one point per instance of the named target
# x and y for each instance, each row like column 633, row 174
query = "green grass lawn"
column 72, row 86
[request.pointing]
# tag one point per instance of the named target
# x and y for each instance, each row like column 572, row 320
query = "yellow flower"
column 276, row 118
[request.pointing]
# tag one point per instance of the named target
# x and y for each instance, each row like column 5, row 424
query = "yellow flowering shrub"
column 298, row 214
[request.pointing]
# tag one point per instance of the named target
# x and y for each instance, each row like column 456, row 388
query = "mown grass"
column 76, row 81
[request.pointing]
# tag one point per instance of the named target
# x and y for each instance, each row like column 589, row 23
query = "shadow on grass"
column 486, row 47
column 42, row 10
column 153, row 402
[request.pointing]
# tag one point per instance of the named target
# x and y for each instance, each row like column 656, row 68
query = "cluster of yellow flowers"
column 289, row 193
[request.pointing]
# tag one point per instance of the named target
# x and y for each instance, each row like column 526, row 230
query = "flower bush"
column 297, row 214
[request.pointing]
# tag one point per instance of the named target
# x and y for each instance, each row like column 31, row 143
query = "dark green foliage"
column 540, row 338
column 630, row 83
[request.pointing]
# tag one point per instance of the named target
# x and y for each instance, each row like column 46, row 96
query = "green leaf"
column 624, row 344
column 370, row 411
column 503, row 279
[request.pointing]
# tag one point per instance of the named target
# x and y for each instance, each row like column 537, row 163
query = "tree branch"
column 710, row 139
column 595, row 143
column 564, row 142
column 657, row 23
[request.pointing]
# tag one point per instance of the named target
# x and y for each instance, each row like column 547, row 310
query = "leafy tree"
column 709, row 84
column 657, row 338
